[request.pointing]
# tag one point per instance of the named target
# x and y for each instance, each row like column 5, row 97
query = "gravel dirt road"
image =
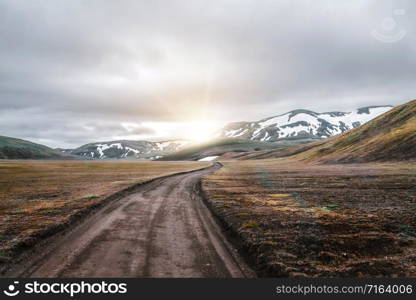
column 161, row 230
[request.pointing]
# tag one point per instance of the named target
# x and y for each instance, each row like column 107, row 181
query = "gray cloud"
column 65, row 65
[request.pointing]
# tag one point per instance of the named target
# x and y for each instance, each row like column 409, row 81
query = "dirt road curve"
column 162, row 230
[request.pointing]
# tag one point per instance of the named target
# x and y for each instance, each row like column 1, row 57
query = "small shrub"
column 4, row 257
column 407, row 231
column 242, row 215
column 250, row 224
column 16, row 212
column 52, row 212
column 326, row 208
column 91, row 197
column 332, row 206
column 280, row 195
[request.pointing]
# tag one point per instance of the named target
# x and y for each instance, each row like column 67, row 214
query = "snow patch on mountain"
column 208, row 158
column 128, row 149
column 302, row 123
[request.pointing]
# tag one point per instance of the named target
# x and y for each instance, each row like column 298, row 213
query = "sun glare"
column 194, row 131
column 199, row 131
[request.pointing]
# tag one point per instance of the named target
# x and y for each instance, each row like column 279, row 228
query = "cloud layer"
column 75, row 71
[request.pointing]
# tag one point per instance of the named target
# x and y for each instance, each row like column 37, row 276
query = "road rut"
column 161, row 230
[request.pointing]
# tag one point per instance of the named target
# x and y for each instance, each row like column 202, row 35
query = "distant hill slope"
column 12, row 148
column 302, row 123
column 389, row 137
column 227, row 147
column 126, row 149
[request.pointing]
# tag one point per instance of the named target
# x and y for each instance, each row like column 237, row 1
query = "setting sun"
column 199, row 131
column 195, row 131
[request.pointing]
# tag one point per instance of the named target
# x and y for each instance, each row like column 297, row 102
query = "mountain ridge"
column 123, row 149
column 302, row 123
column 389, row 137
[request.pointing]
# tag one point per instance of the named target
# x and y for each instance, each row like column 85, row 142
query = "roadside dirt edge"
column 231, row 232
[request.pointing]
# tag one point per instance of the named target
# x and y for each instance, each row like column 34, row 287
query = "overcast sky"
column 73, row 72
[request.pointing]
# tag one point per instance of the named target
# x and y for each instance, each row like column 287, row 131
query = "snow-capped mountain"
column 302, row 123
column 127, row 149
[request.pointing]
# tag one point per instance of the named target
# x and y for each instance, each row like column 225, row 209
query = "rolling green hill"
column 11, row 148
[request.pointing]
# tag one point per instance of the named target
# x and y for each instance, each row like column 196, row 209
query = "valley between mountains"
column 313, row 206
column 293, row 128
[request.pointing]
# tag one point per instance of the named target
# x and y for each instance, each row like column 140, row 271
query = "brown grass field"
column 297, row 219
column 39, row 197
column 289, row 218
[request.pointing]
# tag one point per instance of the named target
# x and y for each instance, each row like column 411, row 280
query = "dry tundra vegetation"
column 299, row 212
column 38, row 198
column 297, row 219
column 292, row 212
